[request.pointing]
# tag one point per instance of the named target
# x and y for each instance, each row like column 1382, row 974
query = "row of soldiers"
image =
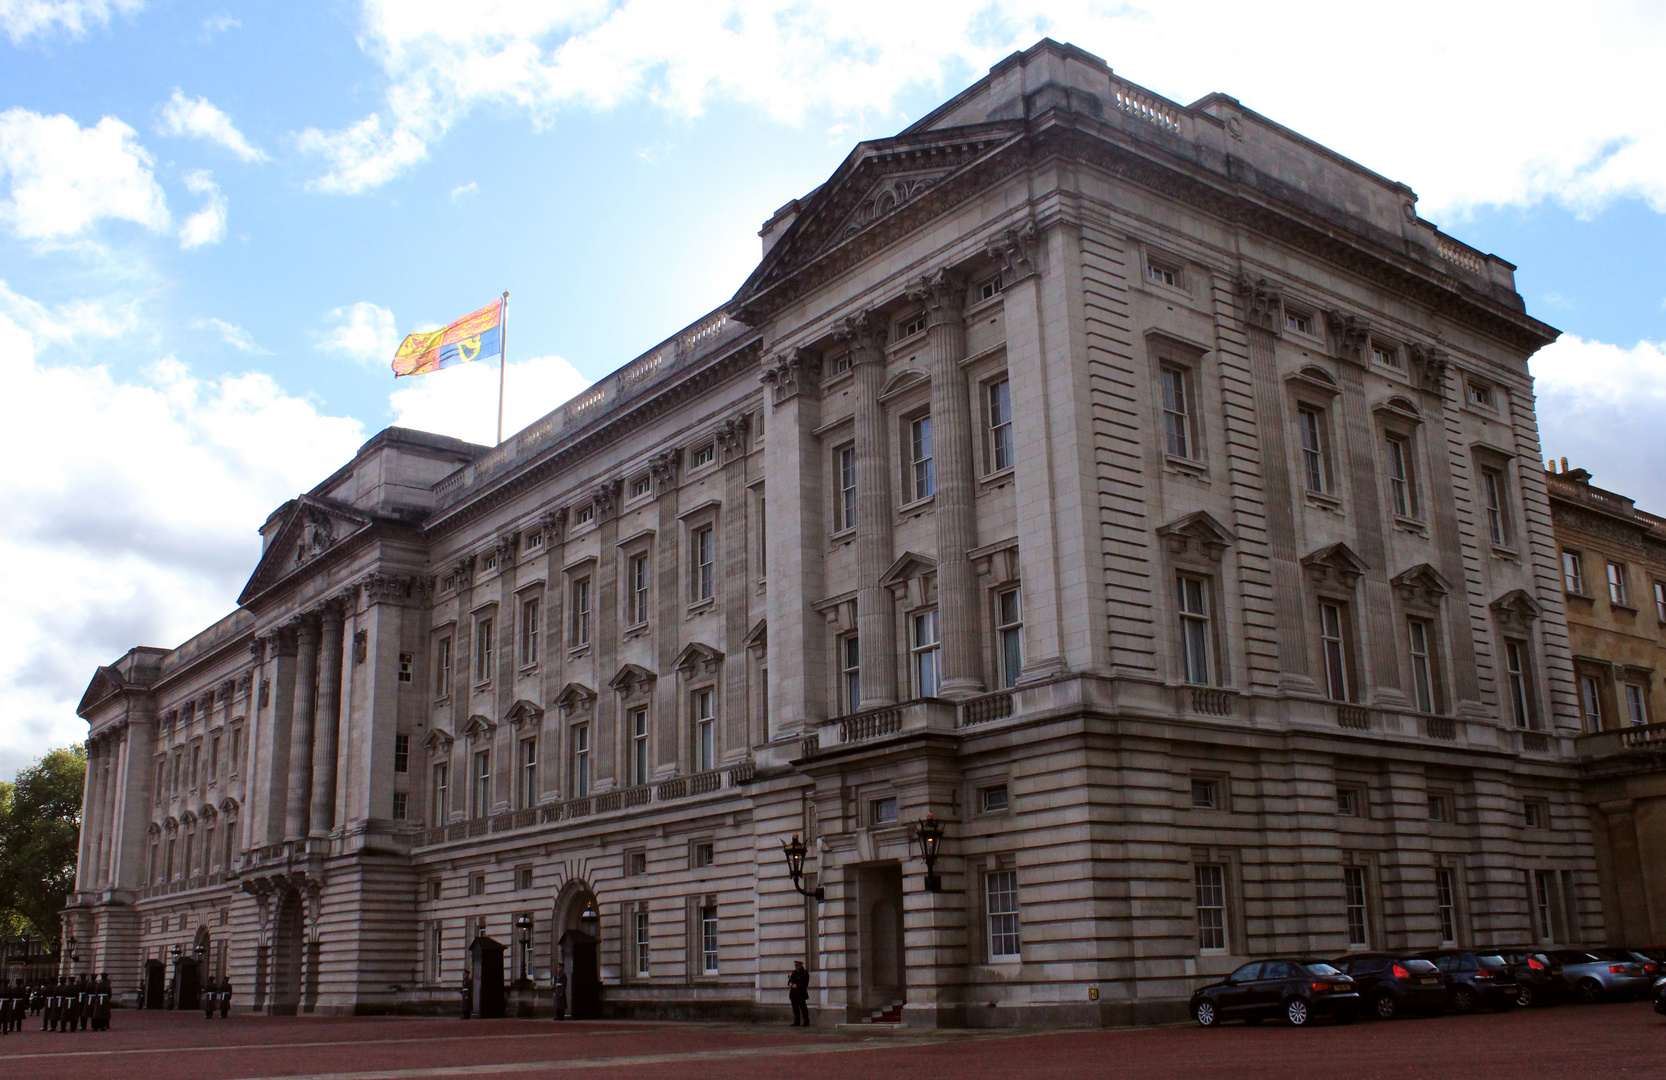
column 216, row 994
column 63, row 1003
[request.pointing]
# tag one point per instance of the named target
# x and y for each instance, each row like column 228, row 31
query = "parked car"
column 1389, row 984
column 1603, row 974
column 1295, row 990
column 1653, row 966
column 1660, row 997
column 1474, row 979
column 1539, row 978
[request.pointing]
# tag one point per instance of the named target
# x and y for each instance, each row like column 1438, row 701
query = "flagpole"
column 502, row 361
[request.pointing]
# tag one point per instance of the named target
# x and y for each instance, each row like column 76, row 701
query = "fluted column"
column 876, row 624
column 85, row 875
column 299, row 791
column 944, row 295
column 327, row 726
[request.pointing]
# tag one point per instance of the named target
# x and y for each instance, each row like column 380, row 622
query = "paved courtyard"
column 1593, row 1041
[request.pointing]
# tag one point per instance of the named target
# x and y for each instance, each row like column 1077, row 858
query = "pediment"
column 311, row 525
column 1198, row 535
column 524, row 711
column 909, row 565
column 697, row 658
column 1516, row 608
column 631, row 678
column 478, row 727
column 1421, row 583
column 105, row 682
column 574, row 696
column 904, row 380
column 228, row 806
column 437, row 742
column 1337, row 563
column 758, row 639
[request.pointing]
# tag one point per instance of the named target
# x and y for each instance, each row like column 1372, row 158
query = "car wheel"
column 1524, row 996
column 1589, row 991
column 1464, row 1000
column 1384, row 1006
column 1204, row 1013
column 1295, row 1011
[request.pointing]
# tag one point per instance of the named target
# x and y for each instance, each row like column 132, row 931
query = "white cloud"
column 232, row 334
column 68, row 323
column 464, row 191
column 22, row 19
column 208, row 225
column 64, row 177
column 197, row 118
column 364, row 332
column 461, row 401
column 1600, row 406
column 1459, row 103
column 219, row 24
column 107, row 542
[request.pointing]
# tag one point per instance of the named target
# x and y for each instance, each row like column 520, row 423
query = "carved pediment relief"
column 882, row 197
column 912, row 573
column 697, row 659
column 1198, row 536
column 1335, row 565
column 1516, row 609
column 632, row 679
column 575, row 698
column 1422, row 584
column 310, row 526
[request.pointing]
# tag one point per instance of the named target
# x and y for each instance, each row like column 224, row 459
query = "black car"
column 1475, row 979
column 1294, row 990
column 1539, row 979
column 1390, row 985
column 1660, row 997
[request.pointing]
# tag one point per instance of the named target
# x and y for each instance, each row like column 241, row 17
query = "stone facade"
column 1128, row 471
column 1614, row 576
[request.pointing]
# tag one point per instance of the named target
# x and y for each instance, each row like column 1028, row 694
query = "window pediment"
column 575, row 698
column 912, row 567
column 1516, row 609
column 1422, row 584
column 1336, row 565
column 1197, row 535
column 697, row 659
column 1314, row 379
column 478, row 728
column 904, row 381
column 632, row 679
column 437, row 743
column 524, row 712
column 1399, row 407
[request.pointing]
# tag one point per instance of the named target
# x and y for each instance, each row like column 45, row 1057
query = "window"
column 922, row 480
column 705, row 455
column 1211, row 906
column 196, row 764
column 1440, row 807
column 1193, row 600
column 214, row 759
column 483, row 650
column 1480, row 395
column 641, row 486
column 489, row 561
column 581, row 760
column 1515, row 671
column 523, row 877
column 705, row 563
column 407, row 666
column 914, row 324
column 1617, row 584
column 1177, row 412
column 1353, row 899
column 844, row 510
column 763, row 537
column 1162, row 273
column 991, row 287
column 883, row 811
column 1637, row 704
column 578, row 633
column 703, row 854
column 584, row 514
column 442, row 668
column 533, row 541
column 402, row 752
column 1535, row 814
column 401, row 806
column 480, row 787
column 636, row 863
column 1384, row 353
column 1206, row 793
column 236, row 748
column 1541, row 904
column 841, row 363
column 1000, row 425
column 1660, row 601
column 993, row 799
column 639, row 935
column 705, row 730
column 529, row 631
column 1402, row 480
column 926, row 647
column 1299, row 321
column 1446, row 906
column 436, row 951
column 442, row 793
column 1335, row 648
column 850, row 672
column 1573, row 572
column 1590, row 702
column 639, row 746
column 1009, row 634
column 1492, row 496
column 1422, row 671
column 708, row 939
column 1001, row 896
column 529, row 772
column 1349, row 801
column 477, row 884
column 1315, row 468
column 638, row 576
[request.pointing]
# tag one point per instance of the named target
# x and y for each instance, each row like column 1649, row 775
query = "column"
column 944, row 295
column 876, row 626
column 85, row 875
column 300, row 729
column 327, row 730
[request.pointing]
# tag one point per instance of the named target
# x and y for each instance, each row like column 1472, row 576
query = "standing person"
column 798, row 994
column 560, row 981
column 54, row 1007
column 72, row 1007
column 210, row 991
column 225, row 995
column 467, row 990
column 85, row 993
column 101, row 1010
column 7, row 999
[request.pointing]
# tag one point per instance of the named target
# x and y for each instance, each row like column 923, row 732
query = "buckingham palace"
column 1135, row 507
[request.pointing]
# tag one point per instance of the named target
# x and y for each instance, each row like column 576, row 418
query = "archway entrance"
column 577, row 945
column 288, row 936
column 879, row 931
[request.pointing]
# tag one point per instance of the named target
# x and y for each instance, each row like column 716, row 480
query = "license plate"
column 1428, row 982
column 1556, row 971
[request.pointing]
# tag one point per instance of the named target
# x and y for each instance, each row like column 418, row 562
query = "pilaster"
column 298, row 802
column 793, row 461
column 864, row 335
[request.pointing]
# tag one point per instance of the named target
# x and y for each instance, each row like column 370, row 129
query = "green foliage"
column 40, row 832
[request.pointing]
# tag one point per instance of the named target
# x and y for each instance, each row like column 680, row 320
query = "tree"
column 40, row 835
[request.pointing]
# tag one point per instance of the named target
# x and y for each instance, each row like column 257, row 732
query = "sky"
column 217, row 220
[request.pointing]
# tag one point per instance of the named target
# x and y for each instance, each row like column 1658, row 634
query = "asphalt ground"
column 1588, row 1042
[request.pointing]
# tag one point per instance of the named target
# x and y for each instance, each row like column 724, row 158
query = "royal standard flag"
column 477, row 334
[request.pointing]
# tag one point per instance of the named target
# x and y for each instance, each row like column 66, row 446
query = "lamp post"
column 795, row 852
column 589, row 921
column 523, row 927
column 929, row 832
column 72, row 957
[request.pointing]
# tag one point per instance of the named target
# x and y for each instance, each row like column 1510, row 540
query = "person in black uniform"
column 559, row 980
column 70, row 1018
column 467, row 990
column 84, row 990
column 225, row 996
column 798, row 994
column 54, row 1007
column 7, row 999
column 101, row 1007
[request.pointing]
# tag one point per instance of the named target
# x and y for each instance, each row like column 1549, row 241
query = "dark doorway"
column 287, row 933
column 878, row 904
column 584, row 981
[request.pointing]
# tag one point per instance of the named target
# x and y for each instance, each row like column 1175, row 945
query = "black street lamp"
column 524, row 926
column 795, row 852
column 589, row 921
column 929, row 832
column 72, row 957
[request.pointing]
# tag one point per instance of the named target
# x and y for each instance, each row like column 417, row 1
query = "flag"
column 477, row 334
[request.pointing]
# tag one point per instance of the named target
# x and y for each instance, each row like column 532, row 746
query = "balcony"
column 1639, row 740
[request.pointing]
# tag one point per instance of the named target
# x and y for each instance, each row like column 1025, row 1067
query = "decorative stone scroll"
column 791, row 373
column 1015, row 250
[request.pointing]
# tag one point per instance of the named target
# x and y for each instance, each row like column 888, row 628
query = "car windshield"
column 1321, row 969
column 1418, row 967
column 1491, row 961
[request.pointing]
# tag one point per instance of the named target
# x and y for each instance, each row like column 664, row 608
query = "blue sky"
column 216, row 220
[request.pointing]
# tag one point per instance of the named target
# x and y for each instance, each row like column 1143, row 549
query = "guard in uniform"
column 71, row 1015
column 101, row 1003
column 467, row 991
column 225, row 996
column 8, row 1000
column 54, row 1007
column 84, row 991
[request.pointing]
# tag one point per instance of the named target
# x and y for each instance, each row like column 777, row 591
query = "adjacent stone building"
column 1613, row 559
column 1143, row 490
